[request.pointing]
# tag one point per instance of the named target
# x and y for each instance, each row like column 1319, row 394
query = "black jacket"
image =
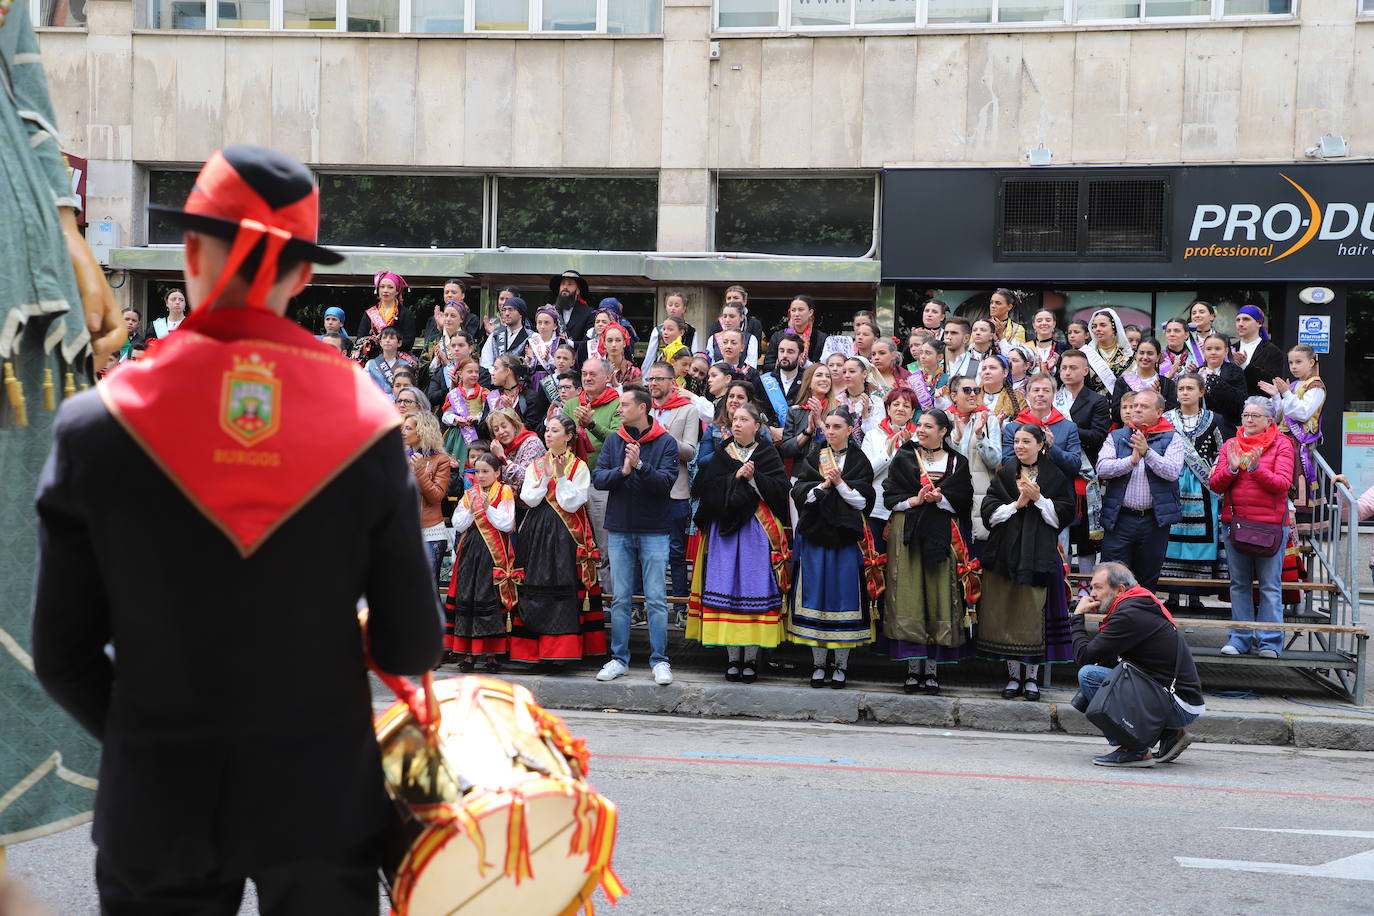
column 236, row 717
column 579, row 321
column 1092, row 414
column 1167, row 387
column 404, row 324
column 1137, row 632
column 1226, row 392
column 1265, row 365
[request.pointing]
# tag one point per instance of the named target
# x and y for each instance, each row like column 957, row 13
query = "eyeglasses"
column 411, row 401
column 659, row 378
column 1254, row 416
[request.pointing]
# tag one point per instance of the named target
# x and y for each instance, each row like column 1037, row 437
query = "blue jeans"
column 1092, row 677
column 646, row 555
column 1140, row 542
column 437, row 549
column 680, row 513
column 1269, row 573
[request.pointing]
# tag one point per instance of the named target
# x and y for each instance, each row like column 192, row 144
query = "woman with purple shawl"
column 543, row 344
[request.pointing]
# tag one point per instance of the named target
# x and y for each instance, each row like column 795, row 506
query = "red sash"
column 248, row 415
column 379, row 321
column 1026, row 416
column 504, row 573
column 578, row 525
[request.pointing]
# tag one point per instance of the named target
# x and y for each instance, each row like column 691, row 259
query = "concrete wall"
column 1214, row 93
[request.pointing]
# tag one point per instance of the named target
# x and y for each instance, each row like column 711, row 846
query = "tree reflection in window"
column 825, row 217
column 401, row 211
column 605, row 214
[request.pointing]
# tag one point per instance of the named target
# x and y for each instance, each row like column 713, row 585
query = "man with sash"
column 637, row 469
column 1091, row 412
column 801, row 321
column 676, row 413
column 222, row 760
column 596, row 410
column 511, row 336
column 1140, row 464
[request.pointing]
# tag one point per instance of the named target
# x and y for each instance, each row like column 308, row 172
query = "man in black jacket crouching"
column 1136, row 628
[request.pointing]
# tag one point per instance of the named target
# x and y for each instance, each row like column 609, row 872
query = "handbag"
column 1131, row 708
column 1255, row 539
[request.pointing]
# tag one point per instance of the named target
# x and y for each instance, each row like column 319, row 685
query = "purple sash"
column 922, row 389
column 1306, row 439
column 460, row 407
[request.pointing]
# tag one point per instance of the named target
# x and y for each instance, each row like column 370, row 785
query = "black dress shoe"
column 1011, row 693
column 912, row 685
column 466, row 666
column 1032, row 690
column 1079, row 702
column 931, row 687
column 732, row 672
column 818, row 677
column 491, row 667
column 838, row 679
column 749, row 673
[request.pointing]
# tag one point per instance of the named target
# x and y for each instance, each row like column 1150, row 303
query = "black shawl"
column 928, row 524
column 830, row 521
column 729, row 501
column 1024, row 549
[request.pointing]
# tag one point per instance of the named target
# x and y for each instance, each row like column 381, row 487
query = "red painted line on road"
column 1007, row 776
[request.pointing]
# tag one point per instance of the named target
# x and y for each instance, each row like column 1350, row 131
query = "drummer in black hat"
column 229, row 689
column 573, row 303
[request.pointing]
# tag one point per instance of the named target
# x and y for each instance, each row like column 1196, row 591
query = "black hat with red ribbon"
column 248, row 194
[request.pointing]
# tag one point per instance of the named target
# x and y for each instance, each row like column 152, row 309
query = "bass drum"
column 496, row 815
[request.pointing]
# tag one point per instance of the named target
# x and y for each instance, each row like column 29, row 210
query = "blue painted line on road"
column 768, row 757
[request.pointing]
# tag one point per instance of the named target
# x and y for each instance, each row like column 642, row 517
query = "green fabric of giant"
column 48, row 763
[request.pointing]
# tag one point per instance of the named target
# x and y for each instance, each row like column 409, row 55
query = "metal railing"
column 1332, row 533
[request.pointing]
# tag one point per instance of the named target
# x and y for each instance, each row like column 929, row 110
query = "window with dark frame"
column 401, row 211
column 1081, row 217
column 613, row 213
column 169, row 188
column 814, row 217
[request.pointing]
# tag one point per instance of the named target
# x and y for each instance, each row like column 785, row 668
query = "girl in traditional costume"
column 857, row 394
column 837, row 570
column 887, row 372
column 1077, row 334
column 931, row 579
column 1226, row 389
column 806, row 418
column 1194, row 550
column 559, row 617
column 928, row 380
column 543, row 344
column 482, row 587
column 999, row 398
column 1001, row 309
column 1299, row 408
column 732, row 319
column 879, row 448
column 614, row 344
column 1023, row 616
column 1178, row 356
column 1109, row 354
column 1202, row 318
column 742, row 564
column 1142, row 376
column 1020, row 365
column 1046, row 346
column 465, row 411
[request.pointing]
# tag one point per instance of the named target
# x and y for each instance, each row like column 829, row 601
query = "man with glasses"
column 1140, row 465
column 677, row 414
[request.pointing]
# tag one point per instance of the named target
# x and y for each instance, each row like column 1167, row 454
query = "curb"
column 778, row 703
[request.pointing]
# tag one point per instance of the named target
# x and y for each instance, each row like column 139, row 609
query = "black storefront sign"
column 1242, row 223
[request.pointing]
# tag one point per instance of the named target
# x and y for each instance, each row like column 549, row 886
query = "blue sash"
column 775, row 396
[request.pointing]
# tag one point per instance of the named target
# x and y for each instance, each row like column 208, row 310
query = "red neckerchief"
column 477, row 392
column 805, row 336
column 1055, row 416
column 1161, row 426
column 607, row 395
column 1135, row 591
column 248, row 415
column 678, row 399
column 1258, row 443
column 886, row 427
column 964, row 416
column 654, row 432
column 519, row 441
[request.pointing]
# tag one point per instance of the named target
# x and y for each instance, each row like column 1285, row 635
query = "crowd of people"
column 925, row 492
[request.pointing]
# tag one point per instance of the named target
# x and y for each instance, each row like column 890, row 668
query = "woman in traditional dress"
column 741, row 567
column 482, row 587
column 511, row 389
column 929, row 492
column 175, row 302
column 1225, row 380
column 517, row 447
column 879, row 447
column 1299, row 409
column 543, row 344
column 1108, row 354
column 806, row 418
column 836, row 569
column 1002, row 308
column 983, row 340
column 978, row 437
column 1144, row 375
column 998, row 396
column 615, row 342
column 1023, row 616
column 564, row 359
column 465, row 411
column 865, row 336
column 1020, row 365
column 559, row 617
column 857, row 394
column 1046, row 347
column 928, row 380
column 390, row 311
column 667, row 342
column 910, row 355
column 1177, row 357
column 1202, row 318
column 1194, row 550
column 887, row 372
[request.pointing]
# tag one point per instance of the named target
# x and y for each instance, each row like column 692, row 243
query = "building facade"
column 662, row 145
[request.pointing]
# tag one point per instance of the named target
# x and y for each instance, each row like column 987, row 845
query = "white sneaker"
column 612, row 670
column 1268, row 653
column 663, row 675
column 1229, row 649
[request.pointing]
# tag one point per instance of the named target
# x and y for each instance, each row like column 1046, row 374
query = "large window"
column 58, row 12
column 401, row 211
column 605, row 214
column 822, row 217
column 169, row 188
column 633, row 17
column 909, row 14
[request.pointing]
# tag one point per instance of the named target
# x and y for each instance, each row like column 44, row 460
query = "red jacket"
column 1260, row 495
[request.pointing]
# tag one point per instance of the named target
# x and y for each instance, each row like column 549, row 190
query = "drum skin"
column 495, row 813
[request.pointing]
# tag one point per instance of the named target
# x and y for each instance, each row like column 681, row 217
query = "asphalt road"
column 736, row 817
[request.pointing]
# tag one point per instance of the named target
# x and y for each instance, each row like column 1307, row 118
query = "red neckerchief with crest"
column 249, row 415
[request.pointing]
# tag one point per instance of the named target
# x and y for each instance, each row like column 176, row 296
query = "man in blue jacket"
column 638, row 466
